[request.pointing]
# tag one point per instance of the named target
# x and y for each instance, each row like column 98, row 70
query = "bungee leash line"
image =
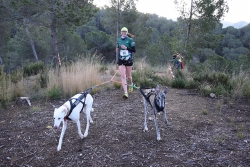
column 170, row 69
column 111, row 80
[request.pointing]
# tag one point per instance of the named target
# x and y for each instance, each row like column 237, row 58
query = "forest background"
column 39, row 31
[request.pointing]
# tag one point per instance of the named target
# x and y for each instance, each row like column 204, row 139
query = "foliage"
column 16, row 76
column 156, row 37
column 43, row 79
column 11, row 86
column 147, row 78
column 121, row 13
column 240, row 85
column 222, row 77
column 103, row 69
column 117, row 85
column 48, row 27
column 58, row 16
column 191, row 84
column 159, row 52
column 54, row 93
column 100, row 43
column 72, row 46
column 3, row 85
column 34, row 68
column 178, row 83
column 181, row 80
column 197, row 22
column 216, row 82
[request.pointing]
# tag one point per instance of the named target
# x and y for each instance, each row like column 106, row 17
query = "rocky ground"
column 204, row 132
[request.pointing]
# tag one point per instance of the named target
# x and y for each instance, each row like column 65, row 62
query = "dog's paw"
column 91, row 121
column 81, row 136
column 169, row 124
column 85, row 135
column 158, row 138
column 58, row 148
column 150, row 118
column 145, row 129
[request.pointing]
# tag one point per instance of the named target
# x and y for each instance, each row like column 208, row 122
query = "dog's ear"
column 157, row 88
column 65, row 111
column 166, row 90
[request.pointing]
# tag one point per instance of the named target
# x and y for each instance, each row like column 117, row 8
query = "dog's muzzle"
column 56, row 127
column 160, row 102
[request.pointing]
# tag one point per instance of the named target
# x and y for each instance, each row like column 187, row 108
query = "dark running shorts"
column 124, row 62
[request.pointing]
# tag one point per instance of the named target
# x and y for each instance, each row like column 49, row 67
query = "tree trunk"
column 54, row 42
column 31, row 40
column 189, row 23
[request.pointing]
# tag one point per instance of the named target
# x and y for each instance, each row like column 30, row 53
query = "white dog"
column 156, row 99
column 71, row 111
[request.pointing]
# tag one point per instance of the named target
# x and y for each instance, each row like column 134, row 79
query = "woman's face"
column 124, row 33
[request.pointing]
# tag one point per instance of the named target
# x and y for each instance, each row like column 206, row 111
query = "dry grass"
column 17, row 90
column 75, row 78
column 13, row 90
column 166, row 71
column 240, row 83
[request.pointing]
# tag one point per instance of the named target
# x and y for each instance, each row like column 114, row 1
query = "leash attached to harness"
column 157, row 100
column 146, row 97
column 76, row 102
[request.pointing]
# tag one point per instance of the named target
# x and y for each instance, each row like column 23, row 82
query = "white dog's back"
column 71, row 110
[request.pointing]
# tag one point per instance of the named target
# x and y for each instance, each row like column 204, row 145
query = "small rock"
column 212, row 95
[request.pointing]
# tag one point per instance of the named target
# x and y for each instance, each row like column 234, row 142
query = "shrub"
column 179, row 74
column 220, row 90
column 148, row 78
column 95, row 90
column 178, row 83
column 247, row 91
column 33, row 68
column 205, row 89
column 191, row 84
column 54, row 93
column 117, row 85
column 40, row 94
column 16, row 76
column 204, row 111
column 240, row 85
column 3, row 88
column 103, row 68
column 43, row 79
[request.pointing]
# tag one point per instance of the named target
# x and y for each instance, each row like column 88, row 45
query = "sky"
column 239, row 10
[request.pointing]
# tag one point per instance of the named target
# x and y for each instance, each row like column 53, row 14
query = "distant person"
column 125, row 47
column 177, row 60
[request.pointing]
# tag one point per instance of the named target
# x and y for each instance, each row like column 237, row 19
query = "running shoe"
column 130, row 88
column 125, row 96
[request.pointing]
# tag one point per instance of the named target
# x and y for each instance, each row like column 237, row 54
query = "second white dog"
column 70, row 110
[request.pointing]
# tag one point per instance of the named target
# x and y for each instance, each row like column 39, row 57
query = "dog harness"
column 76, row 102
column 146, row 96
column 156, row 100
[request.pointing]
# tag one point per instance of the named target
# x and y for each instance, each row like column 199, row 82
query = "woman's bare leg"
column 122, row 70
column 129, row 74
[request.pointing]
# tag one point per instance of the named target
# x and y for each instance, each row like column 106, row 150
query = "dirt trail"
column 204, row 132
